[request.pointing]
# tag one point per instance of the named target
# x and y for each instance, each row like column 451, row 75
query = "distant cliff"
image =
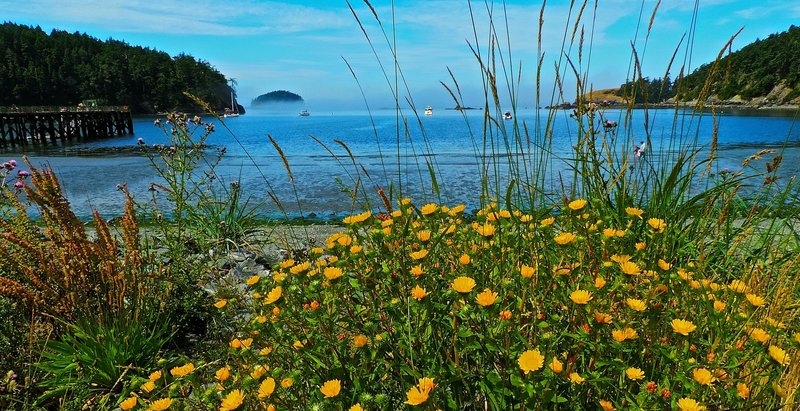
column 278, row 96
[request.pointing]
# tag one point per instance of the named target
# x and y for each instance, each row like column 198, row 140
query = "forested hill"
column 63, row 68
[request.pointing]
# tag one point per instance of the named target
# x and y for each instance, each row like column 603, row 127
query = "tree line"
column 61, row 68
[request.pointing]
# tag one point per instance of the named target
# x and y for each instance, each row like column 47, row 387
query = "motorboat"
column 304, row 113
column 507, row 115
column 428, row 111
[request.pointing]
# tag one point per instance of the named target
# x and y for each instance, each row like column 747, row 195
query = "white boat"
column 428, row 111
column 232, row 112
column 304, row 113
column 507, row 115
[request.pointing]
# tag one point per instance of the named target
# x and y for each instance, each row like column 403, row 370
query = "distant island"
column 277, row 96
column 65, row 69
column 764, row 73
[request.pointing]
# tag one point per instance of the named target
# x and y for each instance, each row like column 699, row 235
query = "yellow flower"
column 428, row 209
column 599, row 282
column 223, row 374
column 299, row 268
column 530, row 360
column 221, row 303
column 418, row 255
column 148, row 386
column 360, row 340
column 547, row 221
column 457, row 210
column 486, row 298
column 356, row 407
column 556, row 366
column 634, row 212
column 743, row 390
column 759, row 335
column 128, row 404
column 624, row 334
column 182, row 370
column 232, row 401
column 464, row 259
column 630, row 268
column 332, row 273
column 278, row 277
column 274, row 295
column 486, row 230
column 580, row 297
column 266, row 388
column 576, row 205
column 289, row 263
column 419, row 393
column 355, row 219
column 155, row 376
column 527, row 271
column 779, row 355
column 683, row 327
column 418, row 293
column 688, row 404
column 253, row 280
column 331, row 388
column 636, row 305
column 737, row 286
column 259, row 371
column 287, row 382
column 576, row 378
column 505, row 315
column 754, row 299
column 161, row 404
column 640, row 246
column 463, row 284
column 609, row 232
column 664, row 265
column 702, row 376
column 797, row 337
column 719, row 305
column 606, row 405
column 424, row 235
column 602, row 318
column 416, row 270
column 634, row 374
column 657, row 224
column 564, row 238
column 619, row 259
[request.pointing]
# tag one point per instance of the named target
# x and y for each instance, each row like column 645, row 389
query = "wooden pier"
column 20, row 126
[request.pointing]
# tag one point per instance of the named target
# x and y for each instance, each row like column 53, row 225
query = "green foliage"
column 646, row 90
column 67, row 68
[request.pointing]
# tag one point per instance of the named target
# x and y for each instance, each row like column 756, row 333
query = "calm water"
column 91, row 170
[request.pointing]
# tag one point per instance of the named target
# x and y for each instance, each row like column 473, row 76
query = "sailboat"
column 234, row 112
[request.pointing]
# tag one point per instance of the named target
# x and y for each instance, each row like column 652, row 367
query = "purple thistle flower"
column 13, row 163
column 19, row 184
column 23, row 174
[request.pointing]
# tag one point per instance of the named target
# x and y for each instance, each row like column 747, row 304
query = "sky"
column 306, row 46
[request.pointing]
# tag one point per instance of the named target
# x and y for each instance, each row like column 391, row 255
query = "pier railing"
column 20, row 126
column 61, row 109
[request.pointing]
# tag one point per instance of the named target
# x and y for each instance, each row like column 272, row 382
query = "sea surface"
column 387, row 149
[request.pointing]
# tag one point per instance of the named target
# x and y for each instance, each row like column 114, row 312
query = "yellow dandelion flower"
column 155, row 376
column 564, row 238
column 356, row 407
column 630, row 268
column 428, row 209
column 624, row 334
column 640, row 246
column 287, row 382
column 289, row 263
column 606, row 405
column 299, row 268
column 332, row 273
column 576, row 378
column 278, row 277
column 161, row 404
column 657, row 224
column 634, row 212
column 253, row 280
column 266, row 388
column 743, row 390
column 754, row 299
column 463, row 284
column 683, row 327
column 182, row 370
column 779, row 355
column 505, row 315
column 619, row 259
column 602, row 318
column 418, row 255
column 360, row 341
column 547, row 221
column 486, row 298
column 599, row 282
column 418, row 293
column 274, row 295
column 609, row 232
column 530, row 360
column 702, row 376
column 527, row 271
column 581, row 297
column 457, row 210
column 719, row 305
column 797, row 337
column 416, row 270
column 223, row 374
column 148, row 386
column 232, row 401
column 221, row 303
column 556, row 366
column 128, row 404
column 576, row 205
column 664, row 265
column 636, row 305
column 464, row 259
column 358, row 218
column 688, row 404
column 759, row 335
column 259, row 371
column 737, row 286
column 419, row 394
column 486, row 230
column 634, row 374
column 424, row 235
column 331, row 388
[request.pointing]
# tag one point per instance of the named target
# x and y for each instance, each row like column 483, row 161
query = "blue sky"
column 300, row 45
